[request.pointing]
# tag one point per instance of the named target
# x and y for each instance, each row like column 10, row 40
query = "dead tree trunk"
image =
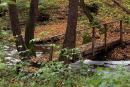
column 13, row 13
column 30, row 27
column 70, row 36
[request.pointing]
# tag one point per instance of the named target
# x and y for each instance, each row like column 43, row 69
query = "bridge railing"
column 105, row 35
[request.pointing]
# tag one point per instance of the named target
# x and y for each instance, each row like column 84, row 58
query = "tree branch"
column 122, row 7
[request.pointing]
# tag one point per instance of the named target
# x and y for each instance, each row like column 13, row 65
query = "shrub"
column 70, row 55
column 126, row 19
column 3, row 9
column 58, row 74
column 48, row 4
column 86, row 38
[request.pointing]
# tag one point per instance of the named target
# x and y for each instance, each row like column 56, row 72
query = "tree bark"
column 13, row 13
column 30, row 27
column 70, row 36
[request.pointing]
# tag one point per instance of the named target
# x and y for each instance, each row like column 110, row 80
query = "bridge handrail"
column 105, row 35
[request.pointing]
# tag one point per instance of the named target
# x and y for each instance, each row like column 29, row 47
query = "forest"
column 64, row 43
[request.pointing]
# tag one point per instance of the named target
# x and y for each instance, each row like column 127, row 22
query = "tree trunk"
column 30, row 27
column 86, row 11
column 13, row 13
column 70, row 36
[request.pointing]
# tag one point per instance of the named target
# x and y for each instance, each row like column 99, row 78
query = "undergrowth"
column 57, row 74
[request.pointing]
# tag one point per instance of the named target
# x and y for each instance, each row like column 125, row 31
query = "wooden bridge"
column 98, row 47
column 95, row 47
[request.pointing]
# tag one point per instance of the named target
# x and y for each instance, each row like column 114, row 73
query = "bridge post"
column 93, row 41
column 51, row 52
column 105, row 37
column 121, row 32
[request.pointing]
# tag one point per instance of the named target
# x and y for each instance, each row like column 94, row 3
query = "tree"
column 30, row 27
column 70, row 36
column 29, row 32
column 13, row 12
column 89, row 9
column 86, row 10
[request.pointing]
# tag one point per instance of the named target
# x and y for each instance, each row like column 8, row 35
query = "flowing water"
column 11, row 55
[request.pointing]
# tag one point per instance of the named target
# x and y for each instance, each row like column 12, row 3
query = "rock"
column 39, row 54
column 90, row 62
column 13, row 52
column 9, row 64
column 6, row 47
column 8, row 58
column 10, row 55
column 14, row 61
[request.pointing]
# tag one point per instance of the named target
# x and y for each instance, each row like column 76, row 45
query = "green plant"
column 3, row 9
column 96, row 23
column 70, row 55
column 47, row 4
column 58, row 74
column 108, row 78
column 43, row 34
column 86, row 38
column 23, row 5
column 126, row 19
column 2, row 66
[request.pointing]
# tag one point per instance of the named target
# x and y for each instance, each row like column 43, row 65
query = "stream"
column 11, row 58
column 11, row 55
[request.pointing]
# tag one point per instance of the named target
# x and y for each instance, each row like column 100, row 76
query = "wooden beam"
column 105, row 37
column 93, row 41
column 99, row 47
column 121, row 32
